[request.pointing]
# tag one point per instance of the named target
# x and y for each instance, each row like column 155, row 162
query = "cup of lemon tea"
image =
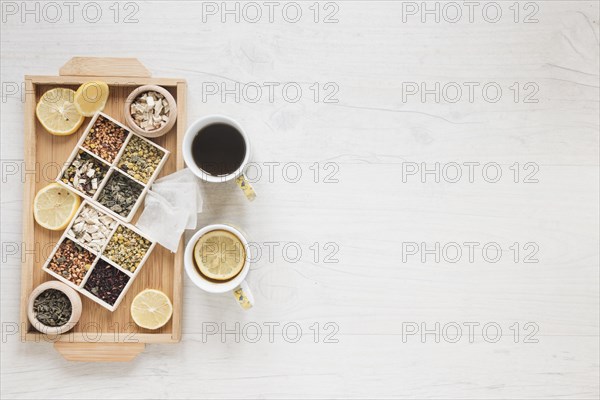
column 217, row 260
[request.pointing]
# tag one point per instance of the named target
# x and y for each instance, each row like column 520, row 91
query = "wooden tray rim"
column 29, row 193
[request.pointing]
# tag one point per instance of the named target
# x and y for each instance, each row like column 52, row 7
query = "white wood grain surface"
column 370, row 295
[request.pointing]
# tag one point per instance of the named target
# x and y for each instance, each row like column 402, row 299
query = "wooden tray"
column 100, row 335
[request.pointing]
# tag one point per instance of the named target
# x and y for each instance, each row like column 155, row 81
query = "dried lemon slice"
column 91, row 97
column 151, row 309
column 57, row 113
column 219, row 255
column 54, row 207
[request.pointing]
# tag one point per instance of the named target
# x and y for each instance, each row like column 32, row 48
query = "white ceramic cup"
column 237, row 285
column 238, row 174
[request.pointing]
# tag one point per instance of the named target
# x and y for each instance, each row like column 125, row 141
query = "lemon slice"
column 54, row 207
column 57, row 113
column 219, row 255
column 151, row 309
column 91, row 97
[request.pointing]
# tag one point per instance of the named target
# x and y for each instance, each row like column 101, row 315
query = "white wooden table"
column 370, row 134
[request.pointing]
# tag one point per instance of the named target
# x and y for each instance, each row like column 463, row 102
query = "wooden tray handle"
column 99, row 352
column 104, row 66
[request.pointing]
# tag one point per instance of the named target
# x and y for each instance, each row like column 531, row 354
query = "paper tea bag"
column 171, row 207
column 162, row 222
column 180, row 197
column 184, row 176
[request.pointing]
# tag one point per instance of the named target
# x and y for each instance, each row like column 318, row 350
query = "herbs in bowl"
column 150, row 111
column 54, row 308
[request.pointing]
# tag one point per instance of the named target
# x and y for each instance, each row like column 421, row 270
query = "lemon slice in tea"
column 219, row 255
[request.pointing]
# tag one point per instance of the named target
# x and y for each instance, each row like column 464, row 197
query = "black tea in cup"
column 219, row 149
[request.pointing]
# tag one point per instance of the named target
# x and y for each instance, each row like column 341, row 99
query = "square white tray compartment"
column 99, row 255
column 112, row 168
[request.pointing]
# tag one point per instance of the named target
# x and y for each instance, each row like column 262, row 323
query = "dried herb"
column 52, row 308
column 127, row 248
column 120, row 194
column 140, row 159
column 105, row 139
column 150, row 111
column 92, row 228
column 85, row 173
column 71, row 261
column 106, row 282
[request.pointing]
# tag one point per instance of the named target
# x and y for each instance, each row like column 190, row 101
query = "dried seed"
column 127, row 248
column 106, row 282
column 105, row 139
column 140, row 159
column 69, row 259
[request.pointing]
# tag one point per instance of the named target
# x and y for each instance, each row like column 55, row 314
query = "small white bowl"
column 75, row 308
column 172, row 111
